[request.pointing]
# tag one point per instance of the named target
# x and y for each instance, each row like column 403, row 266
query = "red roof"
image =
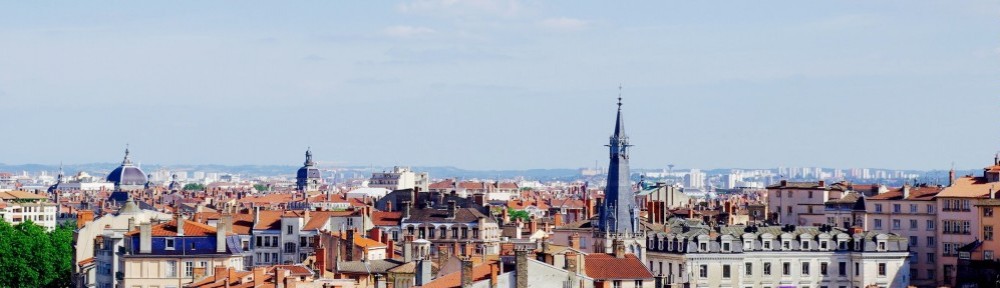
column 382, row 218
column 605, row 266
column 191, row 228
column 454, row 279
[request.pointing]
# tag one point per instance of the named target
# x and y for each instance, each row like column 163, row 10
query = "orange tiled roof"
column 916, row 193
column 605, row 266
column 454, row 279
column 317, row 219
column 191, row 228
column 382, row 218
column 969, row 187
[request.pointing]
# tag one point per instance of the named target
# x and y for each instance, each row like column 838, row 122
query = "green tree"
column 260, row 187
column 194, row 186
column 32, row 257
column 518, row 214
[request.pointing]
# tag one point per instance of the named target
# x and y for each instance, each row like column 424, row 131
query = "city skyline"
column 468, row 84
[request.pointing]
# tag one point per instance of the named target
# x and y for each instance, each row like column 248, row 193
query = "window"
column 913, row 224
column 823, row 267
column 288, row 229
column 857, row 269
column 881, row 269
column 878, row 223
column 638, row 284
column 930, row 209
column 930, row 258
column 913, row 241
column 878, row 208
column 725, row 271
column 169, row 244
column 171, row 268
column 805, row 268
column 702, row 246
column 930, row 225
column 896, row 208
column 843, row 268
column 810, row 194
column 822, row 245
column 748, row 268
column 895, row 224
column 703, row 271
column 988, row 254
column 748, row 245
column 616, row 284
column 988, row 232
column 725, row 247
column 786, row 268
column 767, row 244
column 881, row 245
column 913, row 208
column 930, row 241
column 188, row 269
column 785, row 245
column 767, row 268
column 789, row 212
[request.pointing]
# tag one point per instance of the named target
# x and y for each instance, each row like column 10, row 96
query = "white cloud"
column 505, row 8
column 563, row 24
column 401, row 31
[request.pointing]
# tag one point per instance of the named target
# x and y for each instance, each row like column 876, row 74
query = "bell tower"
column 619, row 215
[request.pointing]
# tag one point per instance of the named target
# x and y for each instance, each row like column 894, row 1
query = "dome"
column 308, row 170
column 127, row 174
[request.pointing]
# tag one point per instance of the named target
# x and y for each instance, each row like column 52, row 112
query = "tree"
column 518, row 214
column 260, row 187
column 32, row 257
column 194, row 186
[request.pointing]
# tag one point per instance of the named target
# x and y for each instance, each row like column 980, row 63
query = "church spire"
column 619, row 210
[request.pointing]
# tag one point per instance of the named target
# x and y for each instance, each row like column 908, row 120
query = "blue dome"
column 127, row 174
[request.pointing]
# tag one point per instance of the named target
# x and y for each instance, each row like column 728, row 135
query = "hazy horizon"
column 502, row 84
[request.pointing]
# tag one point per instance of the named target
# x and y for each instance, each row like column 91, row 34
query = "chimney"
column 951, row 177
column 84, row 217
column 321, row 260
column 408, row 248
column 906, row 191
column 350, row 245
column 557, row 219
column 221, row 232
column 388, row 206
column 390, row 251
column 451, row 209
column 258, row 276
column 533, row 225
column 219, row 273
column 375, row 234
column 505, row 214
column 423, row 272
column 466, row 272
column 822, row 183
column 198, row 272
column 256, row 216
column 574, row 241
column 521, row 268
column 494, row 272
column 280, row 274
column 619, row 248
column 145, row 237
column 131, row 223
column 406, row 209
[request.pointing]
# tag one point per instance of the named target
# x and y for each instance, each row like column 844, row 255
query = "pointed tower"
column 619, row 215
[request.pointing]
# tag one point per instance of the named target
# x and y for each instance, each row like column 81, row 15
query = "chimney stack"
column 906, row 191
column 451, row 209
column 521, row 268
column 408, row 248
column 146, row 238
column 221, row 231
column 574, row 241
column 350, row 245
column 951, row 177
column 423, row 272
column 180, row 224
column 466, row 272
column 619, row 248
column 406, row 209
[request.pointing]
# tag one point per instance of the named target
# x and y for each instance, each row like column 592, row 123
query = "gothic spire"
column 619, row 123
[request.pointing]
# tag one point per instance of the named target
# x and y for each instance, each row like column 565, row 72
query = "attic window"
column 703, row 247
column 169, row 244
column 881, row 245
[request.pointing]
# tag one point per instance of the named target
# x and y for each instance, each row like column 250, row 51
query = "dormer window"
column 842, row 245
column 881, row 245
column 785, row 245
column 767, row 244
column 703, row 247
column 748, row 245
column 805, row 244
column 822, row 245
column 169, row 244
column 725, row 247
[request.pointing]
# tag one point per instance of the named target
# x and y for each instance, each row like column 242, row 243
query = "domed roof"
column 308, row 170
column 127, row 174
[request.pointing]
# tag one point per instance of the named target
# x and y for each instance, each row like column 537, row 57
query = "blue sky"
column 502, row 84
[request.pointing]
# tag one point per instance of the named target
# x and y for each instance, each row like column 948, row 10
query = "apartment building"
column 910, row 212
column 21, row 206
column 777, row 256
column 800, row 203
column 958, row 222
column 175, row 253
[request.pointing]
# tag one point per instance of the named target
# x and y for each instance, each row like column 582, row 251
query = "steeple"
column 619, row 211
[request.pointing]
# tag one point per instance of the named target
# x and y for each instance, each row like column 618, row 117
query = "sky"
column 502, row 84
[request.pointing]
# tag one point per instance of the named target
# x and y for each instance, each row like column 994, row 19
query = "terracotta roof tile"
column 454, row 279
column 191, row 228
column 916, row 193
column 382, row 218
column 604, row 266
column 969, row 187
